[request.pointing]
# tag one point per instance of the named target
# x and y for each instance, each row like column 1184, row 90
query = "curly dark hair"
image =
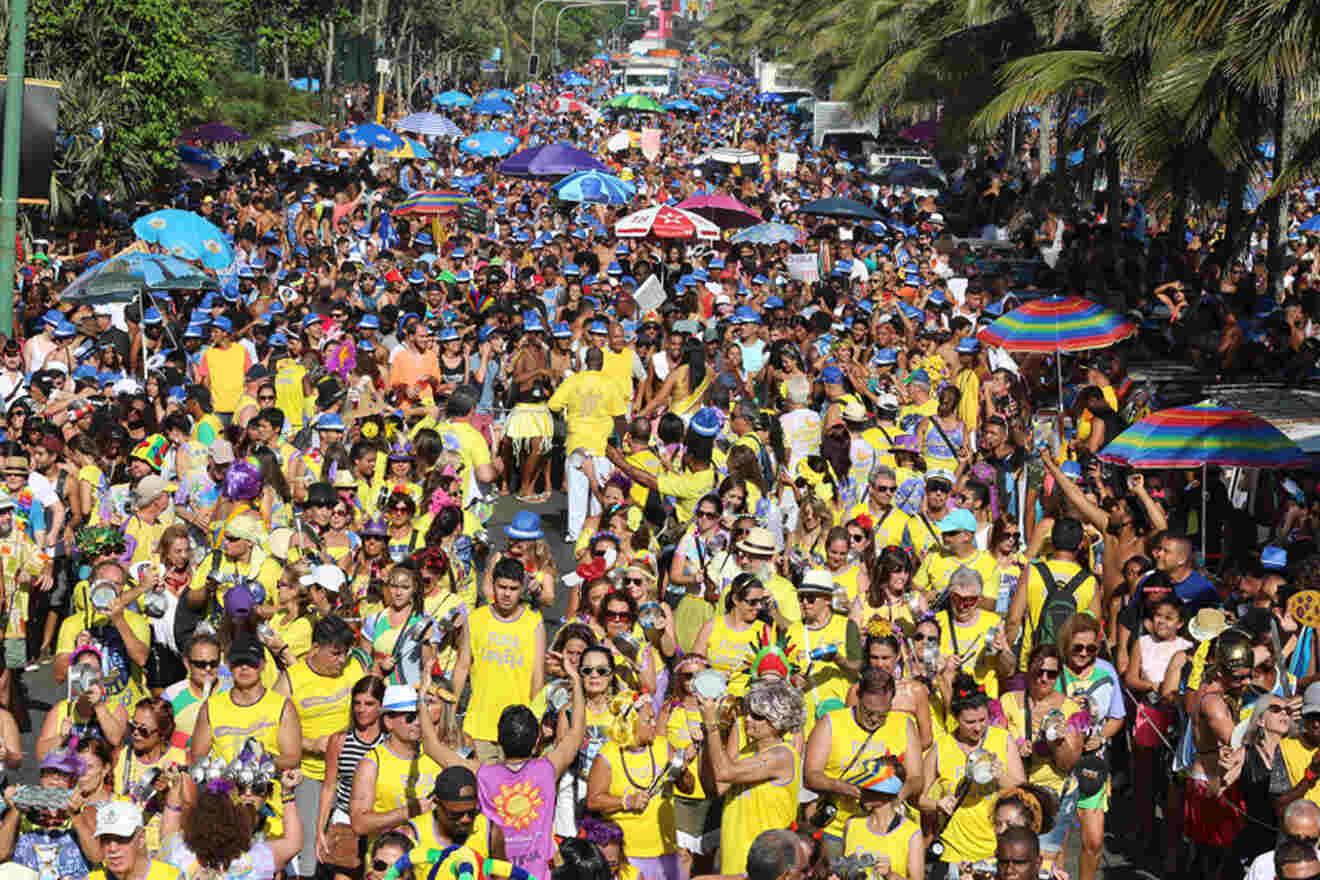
column 217, row 829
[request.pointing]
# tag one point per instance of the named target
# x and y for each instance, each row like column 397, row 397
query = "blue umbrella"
column 839, row 207
column 573, row 78
column 469, row 182
column 766, row 233
column 488, row 143
column 121, row 278
column 551, row 160
column 1312, row 225
column 500, row 95
column 595, row 186
column 186, row 235
column 492, row 107
column 430, row 124
column 683, row 104
column 769, row 98
column 369, row 134
column 452, row 99
column 710, row 93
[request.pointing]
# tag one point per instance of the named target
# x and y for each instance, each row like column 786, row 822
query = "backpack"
column 1060, row 604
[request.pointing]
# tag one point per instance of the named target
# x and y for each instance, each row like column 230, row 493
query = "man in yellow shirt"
column 119, row 833
column 222, row 368
column 144, row 528
column 591, row 404
column 698, row 476
column 1029, row 600
column 959, row 550
column 920, row 405
column 890, row 525
column 242, row 554
column 478, row 466
column 620, row 360
column 637, row 448
column 968, row 380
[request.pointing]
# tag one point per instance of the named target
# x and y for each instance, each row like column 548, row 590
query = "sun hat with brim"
column 245, row 528
column 878, row 780
column 400, row 698
column 118, row 819
column 526, row 526
column 957, row 521
column 853, row 411
column 17, row 464
column 1207, row 624
column 706, row 422
column 245, row 651
column 940, row 474
column 817, row 580
column 757, row 542
column 326, row 576
column 65, row 761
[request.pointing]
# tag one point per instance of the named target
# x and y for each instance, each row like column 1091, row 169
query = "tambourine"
column 102, row 596
column 710, row 684
column 1304, row 607
column 981, row 767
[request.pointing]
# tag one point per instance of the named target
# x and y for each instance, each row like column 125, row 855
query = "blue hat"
column 773, row 302
column 485, row 333
column 178, row 394
column 462, row 276
column 194, row 331
column 446, row 334
column 246, row 272
column 937, row 297
column 746, row 315
column 968, row 346
column 1274, row 557
column 257, row 263
column 526, row 526
column 1071, row 469
column 400, row 698
column 301, row 251
column 86, row 371
column 561, row 331
column 230, row 293
column 919, row 377
column 628, row 281
column 760, row 279
column 832, row 375
column 613, row 269
column 369, row 322
column 151, row 315
column 622, row 249
column 52, row 317
column 416, row 277
column 458, row 253
column 282, row 339
column 423, row 238
column 706, row 422
column 715, row 263
column 223, row 323
column 276, row 308
column 330, row 422
column 532, row 322
column 885, row 356
column 959, row 520
column 274, row 249
column 571, row 269
column 700, row 275
column 598, row 327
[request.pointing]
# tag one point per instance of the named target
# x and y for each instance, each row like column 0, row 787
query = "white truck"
column 657, row 77
column 779, row 79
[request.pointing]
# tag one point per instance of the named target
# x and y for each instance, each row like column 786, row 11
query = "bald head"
column 1302, row 819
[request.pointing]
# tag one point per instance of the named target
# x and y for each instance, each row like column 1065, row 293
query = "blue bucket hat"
column 526, row 526
column 706, row 422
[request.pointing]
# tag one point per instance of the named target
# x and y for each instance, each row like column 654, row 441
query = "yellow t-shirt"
column 296, row 634
column 126, row 681
column 155, row 871
column 226, row 368
column 643, row 460
column 853, row 750
column 687, row 489
column 589, row 402
column 146, row 536
column 970, row 834
column 859, row 838
column 619, row 367
column 936, row 569
column 892, row 530
column 729, row 649
column 400, row 779
column 1063, row 572
column 289, row 394
column 1040, row 769
column 981, row 664
column 827, row 679
column 969, row 405
column 751, row 809
column 473, row 450
column 1297, row 757
column 684, row 725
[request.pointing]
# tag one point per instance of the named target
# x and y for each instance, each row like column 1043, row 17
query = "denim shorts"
column 1063, row 822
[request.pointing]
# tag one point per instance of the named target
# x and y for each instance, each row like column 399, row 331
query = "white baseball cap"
column 119, row 818
column 328, row 576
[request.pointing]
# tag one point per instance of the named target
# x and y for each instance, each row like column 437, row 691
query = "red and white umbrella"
column 569, row 103
column 666, row 222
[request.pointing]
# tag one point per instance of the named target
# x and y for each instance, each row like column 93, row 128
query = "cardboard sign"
column 803, row 267
column 650, row 296
column 786, row 164
column 651, row 143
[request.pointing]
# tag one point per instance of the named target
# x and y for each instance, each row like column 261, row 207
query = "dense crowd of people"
column 849, row 596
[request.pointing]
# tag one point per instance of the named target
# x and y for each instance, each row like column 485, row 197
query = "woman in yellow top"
column 760, row 782
column 889, row 593
column 696, row 815
column 730, row 639
column 965, row 794
column 88, row 715
column 976, row 638
column 149, row 750
column 627, row 784
column 292, row 626
column 637, row 663
column 808, row 538
column 596, row 667
column 912, row 697
column 885, row 831
column 845, row 567
column 338, row 538
column 1010, row 563
column 684, row 387
column 943, row 435
column 442, row 603
column 382, row 630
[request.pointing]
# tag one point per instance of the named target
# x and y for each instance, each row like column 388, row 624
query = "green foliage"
column 253, row 104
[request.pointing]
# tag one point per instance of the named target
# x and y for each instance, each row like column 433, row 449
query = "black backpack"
column 1060, row 604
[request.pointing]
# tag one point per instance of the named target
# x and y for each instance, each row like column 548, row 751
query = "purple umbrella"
column 711, row 82
column 214, row 133
column 552, row 160
column 724, row 211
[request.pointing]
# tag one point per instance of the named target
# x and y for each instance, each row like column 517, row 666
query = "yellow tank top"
column 289, row 394
column 651, row 832
column 225, row 366
column 232, row 724
column 683, row 724
column 324, row 705
column 503, row 652
column 729, row 649
column 436, row 607
column 853, row 748
column 1040, row 769
column 751, row 809
column 970, row 834
column 826, row 679
column 399, row 780
column 859, row 838
column 980, row 664
column 848, row 579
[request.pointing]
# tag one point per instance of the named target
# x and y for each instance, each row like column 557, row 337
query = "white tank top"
column 1155, row 655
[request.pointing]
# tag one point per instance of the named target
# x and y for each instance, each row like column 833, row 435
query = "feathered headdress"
column 771, row 657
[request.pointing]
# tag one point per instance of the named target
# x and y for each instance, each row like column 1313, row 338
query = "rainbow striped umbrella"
column 1058, row 323
column 1200, row 435
column 431, row 202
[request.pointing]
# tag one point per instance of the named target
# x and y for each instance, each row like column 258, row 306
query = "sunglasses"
column 379, row 865
column 1049, row 673
column 856, row 537
column 469, row 813
column 631, row 581
column 1088, row 650
column 595, row 670
column 204, row 664
column 408, row 717
column 707, row 514
column 883, row 489
column 398, row 509
column 618, row 615
column 259, row 789
column 756, row 602
column 919, row 639
column 140, row 729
